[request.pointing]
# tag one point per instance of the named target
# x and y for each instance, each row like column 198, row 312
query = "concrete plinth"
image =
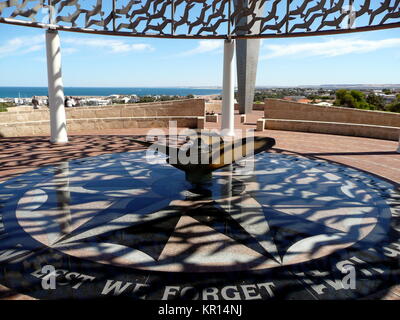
column 260, row 124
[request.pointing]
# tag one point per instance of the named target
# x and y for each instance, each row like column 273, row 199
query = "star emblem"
column 141, row 211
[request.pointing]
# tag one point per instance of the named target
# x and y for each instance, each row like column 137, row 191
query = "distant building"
column 324, row 104
column 19, row 101
column 305, row 100
column 134, row 98
column 95, row 102
column 388, row 98
column 294, row 98
column 125, row 99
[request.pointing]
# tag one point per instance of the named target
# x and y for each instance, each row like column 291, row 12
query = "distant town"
column 81, row 101
column 368, row 97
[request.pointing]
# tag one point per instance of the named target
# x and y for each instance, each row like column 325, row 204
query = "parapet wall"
column 216, row 106
column 187, row 107
column 282, row 109
column 336, row 128
column 77, row 125
column 293, row 116
column 144, row 115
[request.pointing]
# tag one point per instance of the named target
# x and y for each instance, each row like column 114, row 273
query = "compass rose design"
column 124, row 211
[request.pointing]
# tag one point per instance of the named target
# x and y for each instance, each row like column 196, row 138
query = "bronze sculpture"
column 210, row 156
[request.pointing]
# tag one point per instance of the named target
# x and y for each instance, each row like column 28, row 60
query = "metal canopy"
column 204, row 18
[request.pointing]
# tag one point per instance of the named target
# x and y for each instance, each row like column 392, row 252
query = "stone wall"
column 20, row 129
column 187, row 107
column 259, row 106
column 216, row 106
column 293, row 116
column 282, row 109
column 345, row 129
column 144, row 115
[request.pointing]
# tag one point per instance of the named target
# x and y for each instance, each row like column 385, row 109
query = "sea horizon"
column 28, row 92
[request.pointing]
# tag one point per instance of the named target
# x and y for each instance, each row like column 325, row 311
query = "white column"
column 228, row 86
column 398, row 149
column 58, row 125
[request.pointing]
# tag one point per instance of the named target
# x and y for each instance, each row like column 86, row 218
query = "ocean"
column 27, row 92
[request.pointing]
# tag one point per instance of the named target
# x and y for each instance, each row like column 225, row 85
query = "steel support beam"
column 247, row 52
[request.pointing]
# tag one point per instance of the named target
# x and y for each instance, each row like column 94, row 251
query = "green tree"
column 349, row 101
column 393, row 107
column 145, row 99
column 376, row 101
column 5, row 105
column 340, row 94
column 352, row 99
column 358, row 95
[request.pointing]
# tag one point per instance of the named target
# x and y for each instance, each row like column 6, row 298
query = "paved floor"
column 372, row 155
column 23, row 154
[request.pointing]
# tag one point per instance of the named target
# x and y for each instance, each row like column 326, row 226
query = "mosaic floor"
column 128, row 224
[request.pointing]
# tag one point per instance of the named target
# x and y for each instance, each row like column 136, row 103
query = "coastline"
column 98, row 92
column 99, row 100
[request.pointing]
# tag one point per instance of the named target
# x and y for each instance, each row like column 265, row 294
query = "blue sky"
column 92, row 60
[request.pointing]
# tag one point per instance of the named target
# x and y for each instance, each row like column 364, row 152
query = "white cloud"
column 330, row 48
column 204, row 46
column 24, row 45
column 66, row 51
column 21, row 45
column 110, row 45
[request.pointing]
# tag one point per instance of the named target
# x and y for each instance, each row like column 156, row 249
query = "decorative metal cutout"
column 204, row 18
